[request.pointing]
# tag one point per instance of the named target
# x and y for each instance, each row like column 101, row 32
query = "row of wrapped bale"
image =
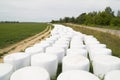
column 75, row 63
column 74, row 50
column 101, row 57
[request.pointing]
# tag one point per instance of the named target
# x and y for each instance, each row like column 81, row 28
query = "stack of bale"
column 71, row 49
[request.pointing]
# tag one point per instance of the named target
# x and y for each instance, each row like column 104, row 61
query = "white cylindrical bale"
column 43, row 45
column 49, row 62
column 75, row 63
column 97, row 46
column 99, row 51
column 105, row 63
column 62, row 39
column 53, row 37
column 77, row 75
column 78, row 46
column 30, row 73
column 64, row 46
column 88, row 37
column 78, row 38
column 62, row 42
column 91, row 42
column 34, row 50
column 112, row 75
column 6, row 71
column 59, row 52
column 51, row 40
column 76, row 41
column 67, row 37
column 18, row 60
column 77, row 51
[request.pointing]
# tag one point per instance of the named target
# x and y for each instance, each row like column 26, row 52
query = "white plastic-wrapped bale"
column 89, row 40
column 77, row 42
column 80, row 46
column 59, row 52
column 105, row 63
column 99, row 51
column 54, row 32
column 86, row 37
column 49, row 62
column 6, row 71
column 18, row 60
column 30, row 73
column 61, row 41
column 79, row 36
column 89, row 37
column 51, row 40
column 77, row 51
column 94, row 46
column 112, row 75
column 55, row 37
column 75, row 63
column 34, row 50
column 67, row 36
column 43, row 45
column 97, row 46
column 64, row 39
column 77, row 75
column 64, row 46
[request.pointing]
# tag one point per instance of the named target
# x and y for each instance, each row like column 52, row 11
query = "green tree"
column 81, row 19
column 98, row 19
column 115, row 22
column 90, row 18
column 72, row 19
column 109, row 11
column 66, row 19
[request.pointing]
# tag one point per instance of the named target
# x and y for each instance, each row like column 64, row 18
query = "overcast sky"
column 46, row 10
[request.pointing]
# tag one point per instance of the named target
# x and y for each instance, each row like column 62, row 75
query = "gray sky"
column 46, row 10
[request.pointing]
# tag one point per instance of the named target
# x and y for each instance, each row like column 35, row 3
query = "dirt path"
column 22, row 45
column 113, row 32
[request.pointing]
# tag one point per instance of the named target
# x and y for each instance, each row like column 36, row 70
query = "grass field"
column 112, row 42
column 13, row 32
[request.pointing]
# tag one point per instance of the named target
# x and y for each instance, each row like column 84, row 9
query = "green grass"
column 112, row 42
column 14, row 32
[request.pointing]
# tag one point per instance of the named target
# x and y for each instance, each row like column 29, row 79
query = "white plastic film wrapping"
column 77, row 51
column 30, row 73
column 6, row 71
column 49, row 62
column 77, row 75
column 112, row 75
column 75, row 63
column 18, row 60
column 105, row 63
column 34, row 50
column 59, row 52
column 99, row 51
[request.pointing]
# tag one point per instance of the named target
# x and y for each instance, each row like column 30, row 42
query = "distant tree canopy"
column 105, row 17
column 9, row 21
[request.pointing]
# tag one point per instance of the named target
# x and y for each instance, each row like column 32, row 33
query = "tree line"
column 9, row 21
column 105, row 17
